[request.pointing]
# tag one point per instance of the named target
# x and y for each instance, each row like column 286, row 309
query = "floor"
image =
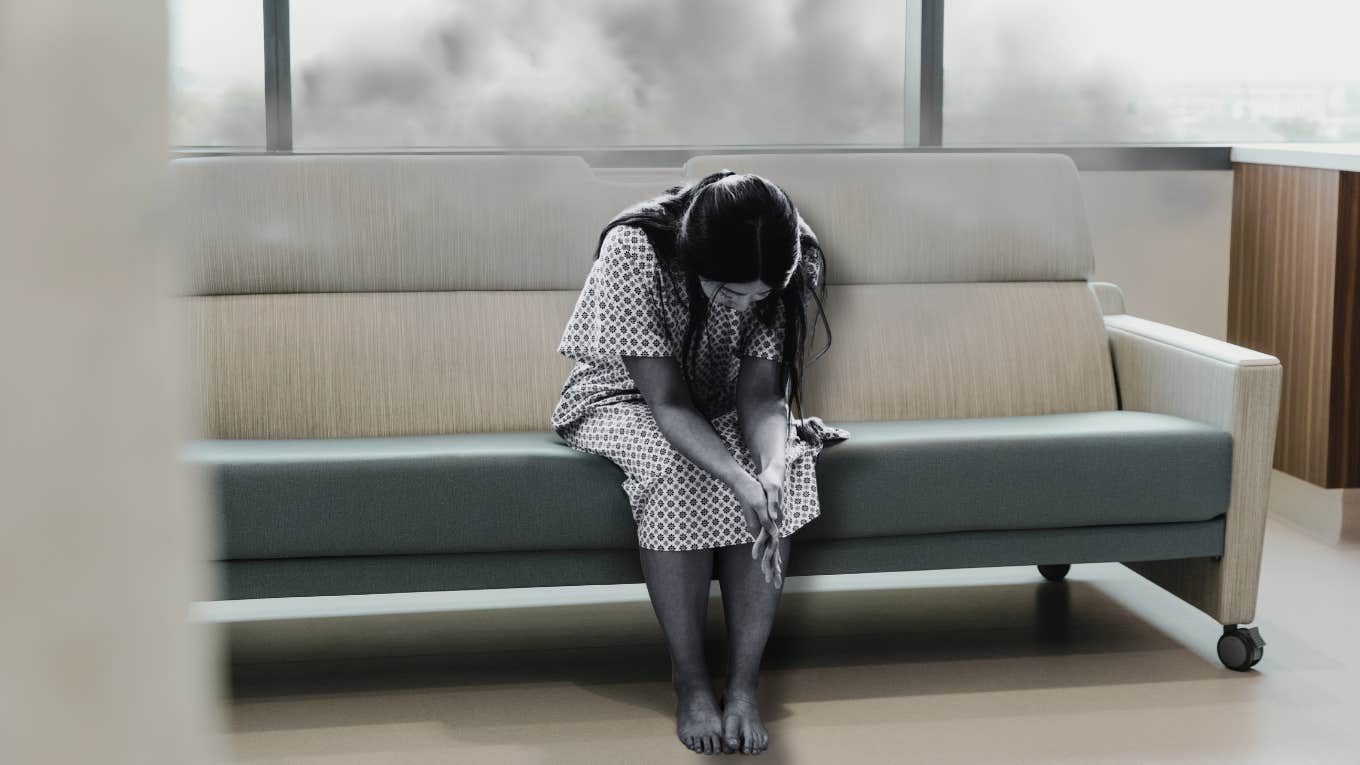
column 968, row 666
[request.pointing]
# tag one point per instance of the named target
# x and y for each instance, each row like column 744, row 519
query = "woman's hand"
column 760, row 498
column 772, row 480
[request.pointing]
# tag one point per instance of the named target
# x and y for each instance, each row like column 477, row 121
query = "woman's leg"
column 749, row 604
column 678, row 584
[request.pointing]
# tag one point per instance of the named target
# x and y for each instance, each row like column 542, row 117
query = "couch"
column 373, row 352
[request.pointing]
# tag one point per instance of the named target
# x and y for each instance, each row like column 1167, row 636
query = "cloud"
column 601, row 73
column 1014, row 75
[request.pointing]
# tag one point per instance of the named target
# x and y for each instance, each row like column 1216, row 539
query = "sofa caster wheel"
column 1054, row 572
column 1240, row 647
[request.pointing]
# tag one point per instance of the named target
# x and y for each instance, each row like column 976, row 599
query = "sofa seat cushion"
column 398, row 495
column 486, row 492
column 1022, row 472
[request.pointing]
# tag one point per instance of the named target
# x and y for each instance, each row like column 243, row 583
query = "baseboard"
column 1350, row 517
column 1331, row 515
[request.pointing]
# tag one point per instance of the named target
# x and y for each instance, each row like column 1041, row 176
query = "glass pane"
column 217, row 73
column 596, row 73
column 1156, row 71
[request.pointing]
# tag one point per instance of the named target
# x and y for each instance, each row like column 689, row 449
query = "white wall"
column 1163, row 237
column 102, row 532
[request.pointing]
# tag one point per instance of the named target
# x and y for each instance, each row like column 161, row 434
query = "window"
column 1155, row 71
column 824, row 74
column 216, row 73
column 597, row 73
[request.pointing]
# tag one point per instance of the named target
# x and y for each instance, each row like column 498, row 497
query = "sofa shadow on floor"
column 880, row 643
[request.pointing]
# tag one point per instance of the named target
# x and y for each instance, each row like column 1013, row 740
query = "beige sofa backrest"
column 958, row 283
column 369, row 295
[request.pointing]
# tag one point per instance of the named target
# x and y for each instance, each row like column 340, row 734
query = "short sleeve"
column 812, row 272
column 811, row 264
column 619, row 312
column 765, row 342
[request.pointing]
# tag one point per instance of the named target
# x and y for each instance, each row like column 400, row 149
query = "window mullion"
column 278, row 78
column 932, row 72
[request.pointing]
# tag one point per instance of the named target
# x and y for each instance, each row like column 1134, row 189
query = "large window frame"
column 1200, row 156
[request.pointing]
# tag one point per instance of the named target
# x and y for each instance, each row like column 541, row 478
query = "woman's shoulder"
column 627, row 240
column 626, row 249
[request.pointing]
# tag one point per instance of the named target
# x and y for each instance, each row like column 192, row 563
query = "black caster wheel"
column 1054, row 572
column 1240, row 647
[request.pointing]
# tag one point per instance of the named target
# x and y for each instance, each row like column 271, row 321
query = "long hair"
column 731, row 227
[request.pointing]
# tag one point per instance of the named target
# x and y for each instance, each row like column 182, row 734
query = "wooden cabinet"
column 1294, row 292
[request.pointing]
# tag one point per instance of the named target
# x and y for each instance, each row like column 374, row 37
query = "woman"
column 688, row 339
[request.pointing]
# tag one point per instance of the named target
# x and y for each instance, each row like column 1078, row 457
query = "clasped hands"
column 761, row 500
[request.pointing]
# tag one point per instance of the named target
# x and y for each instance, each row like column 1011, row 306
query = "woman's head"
column 738, row 241
column 739, row 235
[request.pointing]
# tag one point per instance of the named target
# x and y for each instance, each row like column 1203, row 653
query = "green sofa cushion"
column 1045, row 471
column 371, row 574
column 488, row 492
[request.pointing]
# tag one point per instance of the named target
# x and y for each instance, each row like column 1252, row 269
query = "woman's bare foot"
column 742, row 729
column 696, row 716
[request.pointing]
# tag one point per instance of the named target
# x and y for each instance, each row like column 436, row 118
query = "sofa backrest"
column 370, row 295
column 958, row 283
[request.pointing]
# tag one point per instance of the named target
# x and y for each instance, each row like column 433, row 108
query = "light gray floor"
column 970, row 666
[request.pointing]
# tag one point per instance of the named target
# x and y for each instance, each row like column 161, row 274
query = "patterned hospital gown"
column 676, row 504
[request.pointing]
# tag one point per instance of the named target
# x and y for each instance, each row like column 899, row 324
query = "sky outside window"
column 677, row 73
column 1154, row 71
column 597, row 73
column 217, row 73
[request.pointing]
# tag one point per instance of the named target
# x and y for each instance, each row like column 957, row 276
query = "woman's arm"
column 658, row 379
column 763, row 413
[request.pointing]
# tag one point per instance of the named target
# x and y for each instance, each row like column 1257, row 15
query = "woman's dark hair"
column 732, row 227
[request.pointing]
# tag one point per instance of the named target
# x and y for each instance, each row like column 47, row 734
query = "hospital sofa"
column 372, row 341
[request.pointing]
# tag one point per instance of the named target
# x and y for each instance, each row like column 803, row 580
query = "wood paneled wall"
column 1294, row 292
column 1343, row 444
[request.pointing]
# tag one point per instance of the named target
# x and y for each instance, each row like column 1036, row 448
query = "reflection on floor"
column 969, row 666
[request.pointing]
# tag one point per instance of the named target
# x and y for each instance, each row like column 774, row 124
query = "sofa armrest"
column 1160, row 368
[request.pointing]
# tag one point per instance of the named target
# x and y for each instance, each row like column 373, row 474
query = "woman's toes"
column 731, row 734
